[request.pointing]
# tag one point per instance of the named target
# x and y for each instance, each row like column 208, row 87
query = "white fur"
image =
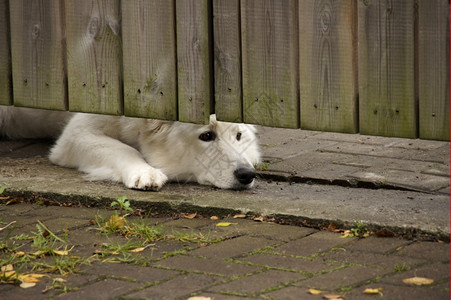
column 144, row 153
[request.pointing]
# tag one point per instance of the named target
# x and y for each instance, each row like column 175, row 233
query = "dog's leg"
column 105, row 158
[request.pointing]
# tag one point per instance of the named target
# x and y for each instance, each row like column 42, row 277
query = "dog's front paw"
column 145, row 178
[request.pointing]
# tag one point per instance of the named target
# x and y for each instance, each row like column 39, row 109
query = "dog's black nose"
column 245, row 175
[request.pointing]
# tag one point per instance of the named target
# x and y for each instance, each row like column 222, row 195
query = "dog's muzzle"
column 244, row 175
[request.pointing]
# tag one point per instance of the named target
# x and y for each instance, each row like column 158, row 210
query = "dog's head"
column 221, row 154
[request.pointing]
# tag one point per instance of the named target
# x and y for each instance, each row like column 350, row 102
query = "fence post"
column 38, row 54
column 94, row 56
column 386, row 68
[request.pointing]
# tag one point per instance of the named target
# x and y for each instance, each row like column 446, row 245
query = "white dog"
column 142, row 153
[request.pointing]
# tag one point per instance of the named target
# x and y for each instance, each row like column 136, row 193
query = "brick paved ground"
column 248, row 260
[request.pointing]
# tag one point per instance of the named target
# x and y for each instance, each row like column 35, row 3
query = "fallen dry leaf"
column 225, row 224
column 7, row 268
column 14, row 201
column 19, row 254
column 418, row 281
column 258, row 219
column 199, row 298
column 314, row 292
column 31, row 277
column 376, row 291
column 61, row 252
column 26, row 285
column 332, row 297
column 59, row 280
column 239, row 216
column 190, row 216
column 115, row 222
column 214, row 218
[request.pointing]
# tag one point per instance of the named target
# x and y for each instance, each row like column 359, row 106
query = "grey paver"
column 258, row 283
column 342, row 278
column 180, row 286
column 398, row 292
column 233, row 247
column 188, row 263
column 292, row 293
column 430, row 251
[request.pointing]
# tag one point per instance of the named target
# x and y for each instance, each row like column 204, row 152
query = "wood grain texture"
column 386, row 68
column 433, row 69
column 328, row 65
column 5, row 56
column 94, row 56
column 193, row 61
column 37, row 48
column 227, row 60
column 270, row 62
column 150, row 87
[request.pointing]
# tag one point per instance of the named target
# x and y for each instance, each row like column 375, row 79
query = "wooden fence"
column 371, row 66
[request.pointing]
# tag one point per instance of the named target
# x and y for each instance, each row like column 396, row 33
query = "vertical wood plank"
column 37, row 50
column 328, row 65
column 193, row 61
column 5, row 55
column 150, row 87
column 270, row 62
column 94, row 56
column 227, row 60
column 386, row 68
column 433, row 69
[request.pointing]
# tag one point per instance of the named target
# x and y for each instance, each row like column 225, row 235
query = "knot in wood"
column 94, row 26
column 36, row 31
column 325, row 21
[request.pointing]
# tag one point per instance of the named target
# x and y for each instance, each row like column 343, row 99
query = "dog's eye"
column 238, row 136
column 207, row 136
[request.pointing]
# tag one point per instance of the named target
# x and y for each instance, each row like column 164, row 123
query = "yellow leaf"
column 418, row 281
column 332, row 297
column 7, row 268
column 26, row 285
column 373, row 291
column 115, row 222
column 199, row 298
column 19, row 254
column 59, row 280
column 190, row 216
column 259, row 219
column 136, row 250
column 30, row 277
column 314, row 292
column 224, row 224
column 239, row 216
column 60, row 252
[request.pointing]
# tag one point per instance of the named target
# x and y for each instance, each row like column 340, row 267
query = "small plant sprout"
column 123, row 204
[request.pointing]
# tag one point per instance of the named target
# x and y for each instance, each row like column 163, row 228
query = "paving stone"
column 258, row 283
column 131, row 272
column 438, row 252
column 377, row 244
column 342, row 278
column 214, row 266
column 289, row 263
column 233, row 247
column 436, row 271
column 256, row 229
column 313, row 244
column 398, row 292
column 104, row 289
column 179, row 287
column 388, row 262
column 292, row 293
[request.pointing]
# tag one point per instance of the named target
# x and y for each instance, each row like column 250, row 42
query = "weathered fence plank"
column 94, row 56
column 150, row 87
column 386, row 68
column 194, row 61
column 433, row 69
column 328, row 65
column 37, row 52
column 270, row 62
column 5, row 56
column 227, row 60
